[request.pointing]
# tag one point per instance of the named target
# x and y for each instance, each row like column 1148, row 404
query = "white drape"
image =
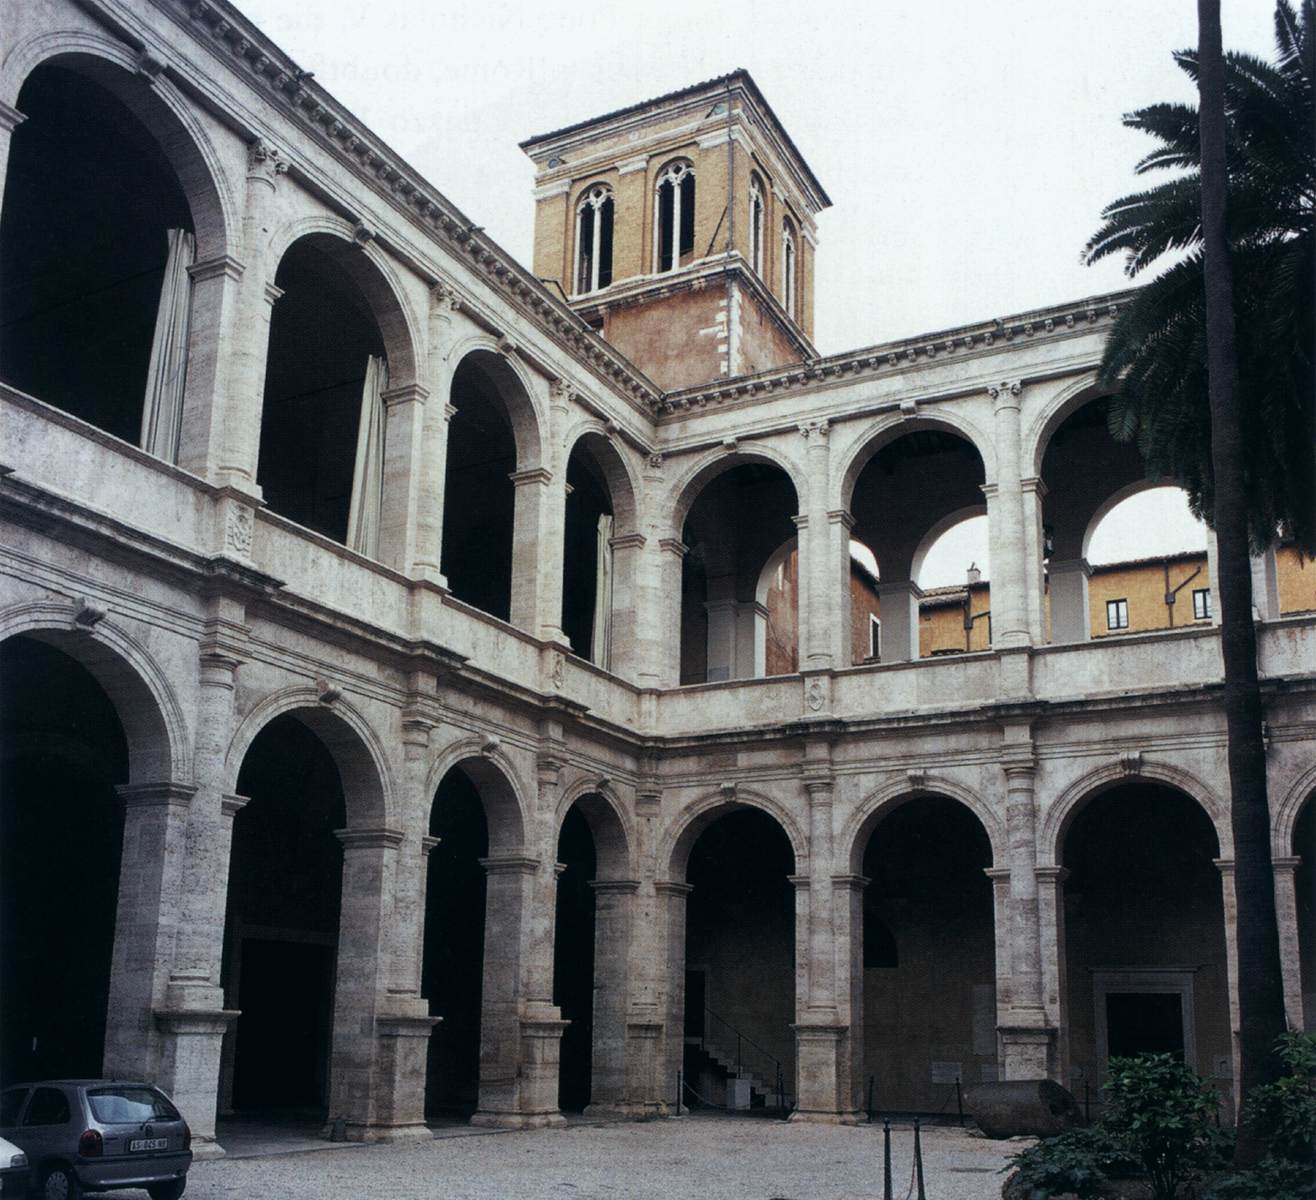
column 368, row 473
column 166, row 377
column 600, row 651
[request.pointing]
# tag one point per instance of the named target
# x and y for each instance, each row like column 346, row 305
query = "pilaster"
column 1286, row 912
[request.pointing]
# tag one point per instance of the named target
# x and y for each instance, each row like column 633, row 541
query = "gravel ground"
column 711, row 1158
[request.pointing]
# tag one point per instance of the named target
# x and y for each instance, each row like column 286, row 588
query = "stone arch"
column 516, row 389
column 892, row 426
column 717, row 462
column 357, row 750
column 1289, row 809
column 948, row 522
column 161, row 108
column 676, row 842
column 371, row 270
column 880, row 803
column 608, row 824
column 159, row 743
column 495, row 777
column 1117, row 497
column 1067, row 401
column 1060, row 814
column 617, row 470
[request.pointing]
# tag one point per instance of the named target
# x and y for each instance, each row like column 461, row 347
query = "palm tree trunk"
column 1260, row 995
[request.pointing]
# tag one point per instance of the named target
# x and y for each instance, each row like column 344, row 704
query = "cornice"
column 966, row 341
column 258, row 61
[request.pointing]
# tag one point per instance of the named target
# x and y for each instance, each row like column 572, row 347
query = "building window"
column 674, row 218
column 874, row 637
column 1117, row 614
column 594, row 240
column 756, row 224
column 788, row 255
column 1201, row 604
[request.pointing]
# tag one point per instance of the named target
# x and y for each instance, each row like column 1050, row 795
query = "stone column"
column 531, row 557
column 1008, row 533
column 819, row 610
column 1051, row 923
column 613, row 900
column 370, row 859
column 1070, row 621
column 192, row 1014
column 848, row 922
column 404, row 469
column 216, row 303
column 1286, row 911
column 1032, row 493
column 898, row 604
column 647, row 965
column 722, row 634
column 836, row 596
column 150, row 875
column 671, row 899
column 1027, row 1040
column 628, row 560
column 238, row 451
column 10, row 119
column 1226, row 869
column 1000, row 877
column 1265, row 586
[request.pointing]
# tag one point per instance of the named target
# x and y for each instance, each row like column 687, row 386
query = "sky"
column 968, row 147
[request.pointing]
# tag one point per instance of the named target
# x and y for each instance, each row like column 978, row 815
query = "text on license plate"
column 148, row 1144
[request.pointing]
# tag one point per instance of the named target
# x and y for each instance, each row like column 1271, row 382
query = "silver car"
column 95, row 1135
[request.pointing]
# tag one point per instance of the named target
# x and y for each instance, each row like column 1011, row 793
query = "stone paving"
column 709, row 1157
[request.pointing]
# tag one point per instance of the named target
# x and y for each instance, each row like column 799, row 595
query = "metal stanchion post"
column 678, row 1093
column 870, row 1099
column 886, row 1160
column 959, row 1099
column 918, row 1163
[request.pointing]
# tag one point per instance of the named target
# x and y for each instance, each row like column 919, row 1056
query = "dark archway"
column 479, row 508
column 573, row 959
column 740, row 960
column 323, row 333
column 736, row 522
column 89, row 198
column 1145, row 934
column 281, row 930
column 453, row 964
column 586, row 553
column 1304, row 846
column 62, row 752
column 929, row 979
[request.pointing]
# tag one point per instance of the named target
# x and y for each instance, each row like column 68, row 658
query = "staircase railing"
column 760, row 1062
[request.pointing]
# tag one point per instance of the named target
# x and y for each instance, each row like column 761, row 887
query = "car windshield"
column 130, row 1106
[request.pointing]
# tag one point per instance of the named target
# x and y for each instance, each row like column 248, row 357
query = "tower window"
column 756, row 224
column 788, row 269
column 594, row 240
column 674, row 224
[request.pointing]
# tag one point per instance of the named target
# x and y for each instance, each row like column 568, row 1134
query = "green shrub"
column 1285, row 1111
column 1161, row 1112
column 1272, row 1179
column 1080, row 1162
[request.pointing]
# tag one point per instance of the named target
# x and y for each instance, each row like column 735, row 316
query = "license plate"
column 148, row 1144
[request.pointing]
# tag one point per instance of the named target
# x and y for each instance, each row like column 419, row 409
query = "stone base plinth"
column 515, row 1120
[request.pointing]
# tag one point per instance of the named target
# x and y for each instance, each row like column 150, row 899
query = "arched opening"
column 951, row 570
column 479, row 496
column 470, row 970
column 736, row 524
column 1144, row 923
column 756, row 224
column 281, row 928
column 674, row 223
column 928, row 983
column 1304, row 847
column 588, row 563
column 453, row 963
column 907, row 492
column 740, row 962
column 789, row 270
column 1123, row 555
column 325, row 370
column 95, row 241
column 594, row 216
column 573, row 959
column 63, row 751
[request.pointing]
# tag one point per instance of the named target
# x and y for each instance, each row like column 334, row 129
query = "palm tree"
column 1216, row 359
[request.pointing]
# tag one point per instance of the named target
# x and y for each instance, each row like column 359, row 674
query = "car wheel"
column 167, row 1191
column 59, row 1183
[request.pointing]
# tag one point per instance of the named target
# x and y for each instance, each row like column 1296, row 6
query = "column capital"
column 801, row 520
column 672, row 887
column 265, row 163
column 223, row 266
column 1286, row 864
column 841, row 516
column 10, row 117
column 1051, row 874
column 799, row 882
column 231, row 804
column 1033, row 484
column 627, row 541
column 169, row 794
column 850, row 883
column 375, row 838
column 509, row 864
column 674, row 546
column 615, row 887
column 1005, row 395
column 405, row 393
column 540, row 475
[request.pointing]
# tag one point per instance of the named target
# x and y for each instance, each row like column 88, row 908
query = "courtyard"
column 707, row 1156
